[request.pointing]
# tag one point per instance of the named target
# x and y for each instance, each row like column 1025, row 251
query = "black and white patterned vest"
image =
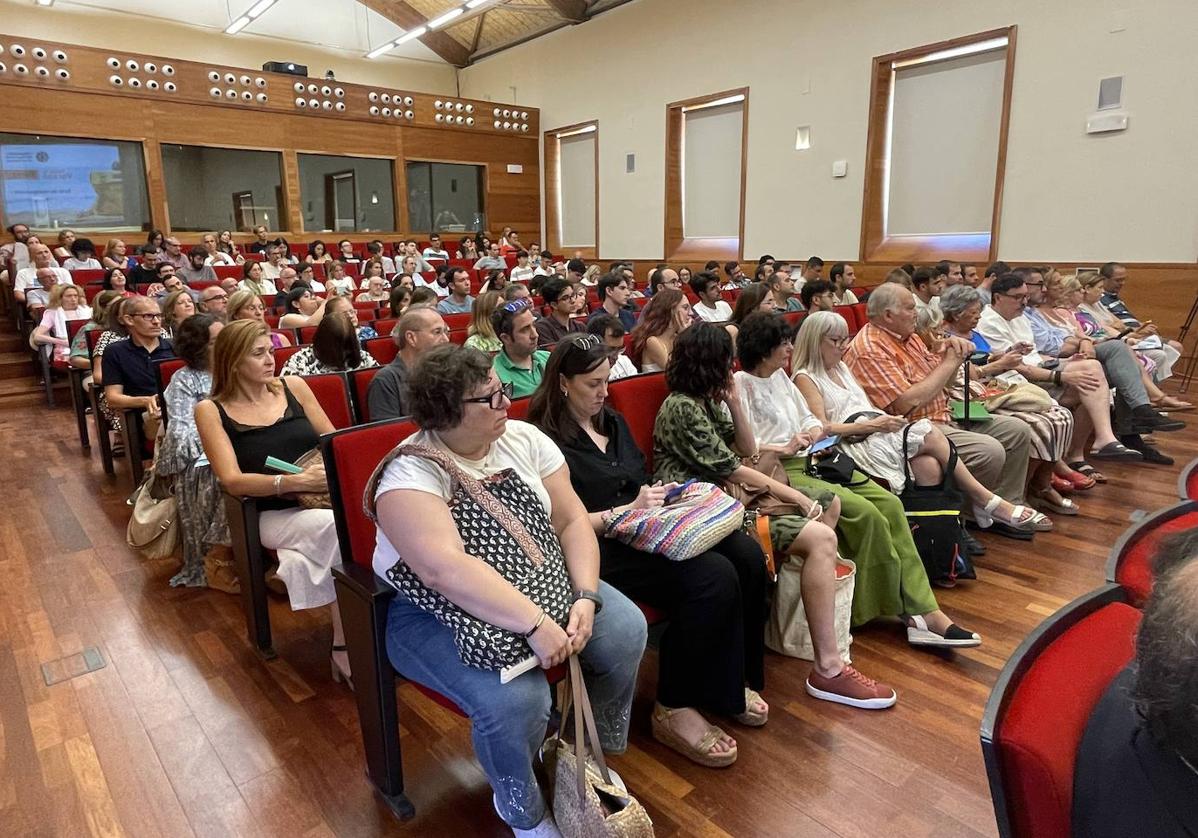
column 502, row 522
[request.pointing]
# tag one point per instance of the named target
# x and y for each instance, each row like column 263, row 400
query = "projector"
column 288, row 67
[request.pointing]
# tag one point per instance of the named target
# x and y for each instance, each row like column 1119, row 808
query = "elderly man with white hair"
column 903, row 377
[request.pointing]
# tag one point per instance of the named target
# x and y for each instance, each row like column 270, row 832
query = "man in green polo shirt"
column 520, row 363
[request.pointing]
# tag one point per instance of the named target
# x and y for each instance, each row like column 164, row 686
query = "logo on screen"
column 42, row 157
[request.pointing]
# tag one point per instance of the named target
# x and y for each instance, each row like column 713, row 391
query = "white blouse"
column 775, row 407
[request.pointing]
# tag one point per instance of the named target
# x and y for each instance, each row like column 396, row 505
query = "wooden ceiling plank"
column 403, row 15
column 574, row 11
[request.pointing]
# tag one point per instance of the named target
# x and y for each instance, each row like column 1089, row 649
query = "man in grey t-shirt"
column 419, row 330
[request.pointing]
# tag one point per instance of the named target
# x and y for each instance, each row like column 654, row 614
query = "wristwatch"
column 593, row 596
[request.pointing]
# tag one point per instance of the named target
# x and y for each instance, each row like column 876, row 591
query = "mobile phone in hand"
column 677, row 490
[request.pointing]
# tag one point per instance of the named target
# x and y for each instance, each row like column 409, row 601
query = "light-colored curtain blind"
column 711, row 164
column 944, row 145
column 576, row 159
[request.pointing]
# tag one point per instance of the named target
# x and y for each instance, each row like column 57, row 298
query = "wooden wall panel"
column 87, row 105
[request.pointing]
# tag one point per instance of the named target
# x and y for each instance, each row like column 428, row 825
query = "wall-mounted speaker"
column 288, row 67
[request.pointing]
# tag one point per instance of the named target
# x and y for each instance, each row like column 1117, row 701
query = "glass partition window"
column 58, row 182
column 346, row 194
column 223, row 188
column 446, row 197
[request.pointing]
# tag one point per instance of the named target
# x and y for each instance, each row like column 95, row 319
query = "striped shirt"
column 888, row 366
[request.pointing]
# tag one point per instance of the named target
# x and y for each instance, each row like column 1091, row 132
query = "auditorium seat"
column 283, row 355
column 103, row 427
column 82, row 276
column 384, row 325
column 382, row 349
column 794, row 318
column 359, row 385
column 1130, row 562
column 457, row 321
column 350, row 458
column 227, row 271
column 458, row 336
column 519, row 408
column 638, row 398
column 1037, row 712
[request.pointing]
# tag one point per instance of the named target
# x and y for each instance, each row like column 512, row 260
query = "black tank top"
column 288, row 439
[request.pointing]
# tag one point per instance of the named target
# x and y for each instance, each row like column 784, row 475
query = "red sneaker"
column 852, row 688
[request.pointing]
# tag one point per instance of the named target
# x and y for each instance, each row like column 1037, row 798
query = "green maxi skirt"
column 873, row 533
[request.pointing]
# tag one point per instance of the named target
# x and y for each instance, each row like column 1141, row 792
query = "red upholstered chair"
column 332, row 391
column 350, row 457
column 226, row 271
column 458, row 336
column 794, row 318
column 1130, row 562
column 165, row 371
column 103, row 427
column 307, row 334
column 359, row 386
column 850, row 316
column 75, row 377
column 92, row 290
column 384, row 325
column 1039, row 707
column 382, row 349
column 282, row 355
column 519, row 408
column 82, row 276
column 457, row 321
column 862, row 317
column 1187, row 481
column 638, row 398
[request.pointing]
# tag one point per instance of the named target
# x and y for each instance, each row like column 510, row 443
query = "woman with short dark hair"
column 701, row 431
column 494, row 561
column 891, row 580
column 711, row 657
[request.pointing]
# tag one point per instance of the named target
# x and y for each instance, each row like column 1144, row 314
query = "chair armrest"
column 364, row 583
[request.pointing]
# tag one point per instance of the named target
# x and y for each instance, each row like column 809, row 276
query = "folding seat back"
column 519, row 408
column 639, row 398
column 227, row 271
column 283, row 355
column 382, row 349
column 459, row 336
column 1038, row 710
column 457, row 321
column 82, row 276
column 1130, row 561
column 359, row 387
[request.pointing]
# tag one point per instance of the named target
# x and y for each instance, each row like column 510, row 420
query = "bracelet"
column 278, row 484
column 1056, row 377
column 536, row 625
column 756, row 458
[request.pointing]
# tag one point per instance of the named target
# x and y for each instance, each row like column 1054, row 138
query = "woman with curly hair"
column 702, row 432
column 664, row 318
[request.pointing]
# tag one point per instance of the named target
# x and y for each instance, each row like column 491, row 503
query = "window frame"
column 553, row 196
column 676, row 244
column 281, row 192
column 483, row 194
column 396, row 206
column 876, row 245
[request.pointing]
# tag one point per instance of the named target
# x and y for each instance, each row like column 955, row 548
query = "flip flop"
column 1084, row 468
column 1116, row 451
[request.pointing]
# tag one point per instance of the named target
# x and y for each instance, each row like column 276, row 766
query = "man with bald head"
column 418, row 330
column 41, row 258
column 904, row 378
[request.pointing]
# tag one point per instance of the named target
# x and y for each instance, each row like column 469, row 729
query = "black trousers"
column 716, row 603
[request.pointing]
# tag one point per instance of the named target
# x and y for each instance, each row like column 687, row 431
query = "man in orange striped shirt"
column 901, row 376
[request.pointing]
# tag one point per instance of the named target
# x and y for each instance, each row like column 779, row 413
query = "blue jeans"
column 509, row 721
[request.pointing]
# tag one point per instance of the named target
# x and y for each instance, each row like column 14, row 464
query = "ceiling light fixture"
column 474, row 4
column 446, row 18
column 255, row 11
column 44, row 2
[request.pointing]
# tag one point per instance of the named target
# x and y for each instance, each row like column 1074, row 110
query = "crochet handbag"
column 701, row 516
column 586, row 803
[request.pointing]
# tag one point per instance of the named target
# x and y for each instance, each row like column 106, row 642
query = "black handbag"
column 833, row 465
column 934, row 515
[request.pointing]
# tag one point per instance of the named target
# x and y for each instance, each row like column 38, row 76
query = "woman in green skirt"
column 873, row 528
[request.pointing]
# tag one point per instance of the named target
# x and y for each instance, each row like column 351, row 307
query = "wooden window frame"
column 486, row 193
column 553, row 208
column 677, row 245
column 876, row 245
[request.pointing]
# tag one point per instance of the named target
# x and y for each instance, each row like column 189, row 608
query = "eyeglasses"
column 839, row 342
column 494, row 399
column 1021, row 297
column 215, row 297
column 148, row 316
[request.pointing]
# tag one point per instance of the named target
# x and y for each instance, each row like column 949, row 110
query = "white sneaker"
column 547, row 828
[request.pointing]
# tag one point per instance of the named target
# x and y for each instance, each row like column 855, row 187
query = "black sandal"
column 1082, row 467
column 1116, row 451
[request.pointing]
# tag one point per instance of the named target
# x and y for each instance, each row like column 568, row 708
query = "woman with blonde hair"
column 66, row 303
column 246, row 305
column 481, row 334
column 252, row 415
column 176, row 308
column 115, row 255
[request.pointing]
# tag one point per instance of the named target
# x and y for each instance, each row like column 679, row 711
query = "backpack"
column 937, row 527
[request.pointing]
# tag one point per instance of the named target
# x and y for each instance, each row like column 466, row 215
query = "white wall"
column 323, row 34
column 1130, row 196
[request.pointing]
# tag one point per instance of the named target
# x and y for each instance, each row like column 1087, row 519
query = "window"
column 936, row 147
column 346, row 194
column 572, row 188
column 56, row 182
column 446, row 197
column 222, row 188
column 705, row 175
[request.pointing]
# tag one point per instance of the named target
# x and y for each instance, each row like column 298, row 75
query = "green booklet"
column 977, row 410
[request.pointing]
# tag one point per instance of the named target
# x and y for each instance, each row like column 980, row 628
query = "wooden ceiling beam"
column 407, row 18
column 574, row 11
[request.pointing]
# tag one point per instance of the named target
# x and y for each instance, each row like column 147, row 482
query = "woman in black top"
column 712, row 652
column 252, row 415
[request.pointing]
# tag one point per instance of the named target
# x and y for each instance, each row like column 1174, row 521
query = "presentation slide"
column 62, row 185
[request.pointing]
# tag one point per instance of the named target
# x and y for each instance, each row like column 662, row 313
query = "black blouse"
column 604, row 479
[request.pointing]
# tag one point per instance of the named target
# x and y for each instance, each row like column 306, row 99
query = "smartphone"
column 677, row 490
column 283, row 466
column 824, row 444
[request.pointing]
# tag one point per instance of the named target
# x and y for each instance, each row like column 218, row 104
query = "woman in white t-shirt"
column 495, row 561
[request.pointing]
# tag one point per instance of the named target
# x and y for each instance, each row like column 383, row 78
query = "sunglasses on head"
column 517, row 305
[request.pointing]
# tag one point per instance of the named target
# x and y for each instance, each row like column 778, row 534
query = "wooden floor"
column 185, row 731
